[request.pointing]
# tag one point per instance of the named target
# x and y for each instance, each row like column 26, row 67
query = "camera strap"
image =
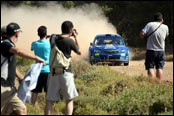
column 153, row 31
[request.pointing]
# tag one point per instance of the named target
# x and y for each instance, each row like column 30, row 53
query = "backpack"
column 58, row 62
column 5, row 61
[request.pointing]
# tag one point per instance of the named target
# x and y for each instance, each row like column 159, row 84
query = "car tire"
column 126, row 64
column 92, row 62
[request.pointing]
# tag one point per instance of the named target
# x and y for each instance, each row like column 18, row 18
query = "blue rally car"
column 108, row 48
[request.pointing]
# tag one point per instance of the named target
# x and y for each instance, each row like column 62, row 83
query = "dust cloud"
column 88, row 19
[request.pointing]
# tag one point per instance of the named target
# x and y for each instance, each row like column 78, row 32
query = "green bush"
column 114, row 88
column 145, row 101
column 92, row 105
column 103, row 91
column 23, row 61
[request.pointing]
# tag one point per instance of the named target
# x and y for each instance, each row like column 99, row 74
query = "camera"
column 75, row 32
column 48, row 36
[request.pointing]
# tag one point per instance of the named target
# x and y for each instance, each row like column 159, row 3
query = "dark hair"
column 42, row 31
column 158, row 16
column 66, row 27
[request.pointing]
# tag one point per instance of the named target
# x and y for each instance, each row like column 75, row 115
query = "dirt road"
column 138, row 68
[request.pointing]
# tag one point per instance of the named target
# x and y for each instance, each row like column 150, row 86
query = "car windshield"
column 109, row 40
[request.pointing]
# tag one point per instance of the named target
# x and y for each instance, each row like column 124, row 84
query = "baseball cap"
column 12, row 28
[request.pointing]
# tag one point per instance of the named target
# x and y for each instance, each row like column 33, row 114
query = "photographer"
column 63, row 82
column 155, row 32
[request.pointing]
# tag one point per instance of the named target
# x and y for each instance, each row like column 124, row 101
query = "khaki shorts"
column 63, row 83
column 10, row 101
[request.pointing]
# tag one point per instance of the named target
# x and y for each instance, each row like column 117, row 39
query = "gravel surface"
column 138, row 68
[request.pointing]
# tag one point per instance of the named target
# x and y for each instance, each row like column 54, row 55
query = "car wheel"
column 126, row 64
column 92, row 62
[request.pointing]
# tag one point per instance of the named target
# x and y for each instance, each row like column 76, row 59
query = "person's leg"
column 16, row 106
column 48, row 107
column 69, row 107
column 151, row 73
column 160, row 64
column 52, row 93
column 159, row 74
column 38, row 88
column 33, row 98
column 149, row 63
column 69, row 91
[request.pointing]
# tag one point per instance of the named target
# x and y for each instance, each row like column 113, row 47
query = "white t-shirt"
column 156, row 41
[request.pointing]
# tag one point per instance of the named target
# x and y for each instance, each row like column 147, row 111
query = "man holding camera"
column 156, row 33
column 63, row 82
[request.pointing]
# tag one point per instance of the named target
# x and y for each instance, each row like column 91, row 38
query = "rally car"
column 108, row 48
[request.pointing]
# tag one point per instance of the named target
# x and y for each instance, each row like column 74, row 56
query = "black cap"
column 12, row 28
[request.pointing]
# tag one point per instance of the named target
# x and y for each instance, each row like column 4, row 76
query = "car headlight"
column 97, row 51
column 122, row 51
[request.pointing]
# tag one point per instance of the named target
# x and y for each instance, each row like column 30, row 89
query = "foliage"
column 103, row 91
column 23, row 61
column 144, row 101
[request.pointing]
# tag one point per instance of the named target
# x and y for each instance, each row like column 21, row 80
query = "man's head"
column 42, row 32
column 13, row 30
column 67, row 27
column 158, row 17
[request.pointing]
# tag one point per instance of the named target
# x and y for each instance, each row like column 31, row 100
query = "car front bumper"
column 119, row 57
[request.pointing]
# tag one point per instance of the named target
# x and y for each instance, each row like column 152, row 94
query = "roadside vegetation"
column 103, row 91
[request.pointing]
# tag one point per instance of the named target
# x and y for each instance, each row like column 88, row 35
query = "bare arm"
column 75, row 37
column 25, row 54
column 142, row 35
column 19, row 75
column 167, row 36
column 79, row 53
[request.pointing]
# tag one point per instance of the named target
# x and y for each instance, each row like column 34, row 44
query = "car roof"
column 108, row 35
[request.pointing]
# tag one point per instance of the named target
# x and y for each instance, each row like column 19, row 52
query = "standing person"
column 155, row 55
column 64, row 82
column 10, row 103
column 42, row 49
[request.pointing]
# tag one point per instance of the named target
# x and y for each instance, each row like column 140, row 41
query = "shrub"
column 144, row 101
column 103, row 91
column 23, row 61
column 92, row 105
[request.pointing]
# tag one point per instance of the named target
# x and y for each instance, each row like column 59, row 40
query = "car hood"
column 109, row 47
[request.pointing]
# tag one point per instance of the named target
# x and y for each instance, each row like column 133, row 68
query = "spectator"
column 10, row 103
column 64, row 82
column 155, row 55
column 42, row 49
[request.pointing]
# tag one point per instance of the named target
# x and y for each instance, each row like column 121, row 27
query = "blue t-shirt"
column 42, row 49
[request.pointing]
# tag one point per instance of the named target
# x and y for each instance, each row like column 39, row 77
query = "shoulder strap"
column 52, row 39
column 4, row 62
column 153, row 31
column 6, row 40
